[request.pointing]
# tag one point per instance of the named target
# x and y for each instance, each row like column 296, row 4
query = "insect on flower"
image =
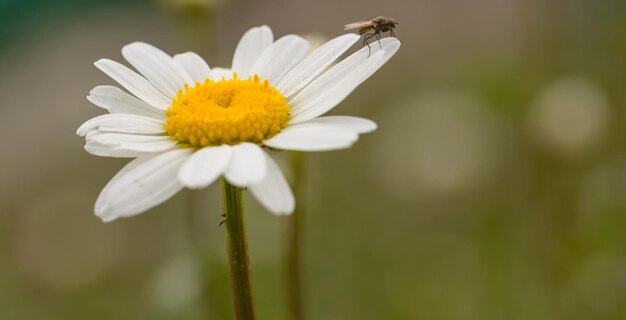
column 373, row 28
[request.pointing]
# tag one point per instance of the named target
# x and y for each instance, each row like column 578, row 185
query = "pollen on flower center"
column 226, row 112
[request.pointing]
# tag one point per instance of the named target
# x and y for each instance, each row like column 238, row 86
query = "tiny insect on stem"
column 222, row 221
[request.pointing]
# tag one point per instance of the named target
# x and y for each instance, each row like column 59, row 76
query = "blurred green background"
column 494, row 188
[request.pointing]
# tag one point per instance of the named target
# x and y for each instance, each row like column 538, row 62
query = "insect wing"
column 358, row 25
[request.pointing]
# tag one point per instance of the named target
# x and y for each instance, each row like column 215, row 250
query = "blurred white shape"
column 569, row 116
column 177, row 284
column 315, row 39
column 436, row 144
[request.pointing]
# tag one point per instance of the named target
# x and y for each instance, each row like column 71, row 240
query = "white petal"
column 124, row 123
column 135, row 83
column 115, row 100
column 107, row 151
column 247, row 165
column 204, row 166
column 144, row 183
column 219, row 73
column 250, row 47
column 356, row 124
column 158, row 67
column 315, row 63
column 101, row 202
column 279, row 58
column 122, row 138
column 330, row 88
column 313, row 137
column 123, row 145
column 274, row 192
column 195, row 66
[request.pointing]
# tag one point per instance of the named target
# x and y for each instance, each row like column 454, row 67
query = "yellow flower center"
column 226, row 112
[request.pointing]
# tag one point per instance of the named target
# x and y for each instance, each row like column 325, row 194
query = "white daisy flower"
column 187, row 124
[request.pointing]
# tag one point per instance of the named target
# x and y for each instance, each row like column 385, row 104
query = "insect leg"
column 366, row 37
column 378, row 37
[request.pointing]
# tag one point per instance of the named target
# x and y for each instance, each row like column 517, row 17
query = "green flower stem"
column 294, row 242
column 237, row 248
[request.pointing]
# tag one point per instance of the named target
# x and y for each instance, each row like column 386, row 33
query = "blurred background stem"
column 294, row 241
column 237, row 248
column 197, row 27
column 197, row 30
